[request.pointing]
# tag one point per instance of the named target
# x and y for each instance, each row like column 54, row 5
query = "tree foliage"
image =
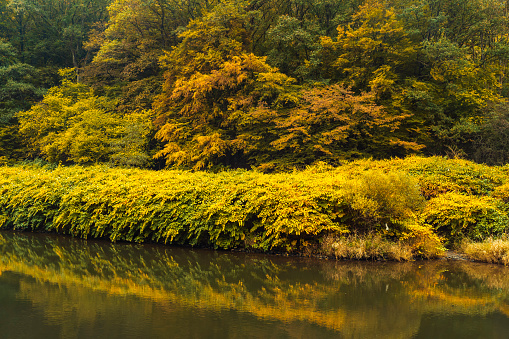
column 270, row 84
column 19, row 84
column 71, row 124
column 333, row 123
column 216, row 92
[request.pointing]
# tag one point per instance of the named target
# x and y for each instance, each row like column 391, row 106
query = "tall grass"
column 491, row 250
column 367, row 247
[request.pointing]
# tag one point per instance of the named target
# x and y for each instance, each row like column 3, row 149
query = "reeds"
column 491, row 250
column 368, row 247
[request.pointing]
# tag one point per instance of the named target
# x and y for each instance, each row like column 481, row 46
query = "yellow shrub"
column 423, row 241
column 382, row 200
column 284, row 211
column 438, row 175
column 502, row 192
column 455, row 216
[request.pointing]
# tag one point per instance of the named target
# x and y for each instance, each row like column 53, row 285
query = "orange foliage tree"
column 217, row 94
column 332, row 123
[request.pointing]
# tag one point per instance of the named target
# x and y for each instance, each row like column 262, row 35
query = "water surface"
column 59, row 287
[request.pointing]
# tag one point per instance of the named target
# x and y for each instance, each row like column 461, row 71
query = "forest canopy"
column 265, row 84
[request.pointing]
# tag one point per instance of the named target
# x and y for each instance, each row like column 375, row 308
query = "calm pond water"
column 58, row 287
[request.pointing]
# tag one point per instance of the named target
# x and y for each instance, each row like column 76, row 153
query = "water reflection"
column 72, row 288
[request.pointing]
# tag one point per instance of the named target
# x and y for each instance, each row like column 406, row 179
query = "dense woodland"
column 265, row 84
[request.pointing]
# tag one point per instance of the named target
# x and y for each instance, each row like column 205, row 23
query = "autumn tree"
column 263, row 83
column 217, row 93
column 374, row 52
column 128, row 46
column 332, row 123
column 73, row 125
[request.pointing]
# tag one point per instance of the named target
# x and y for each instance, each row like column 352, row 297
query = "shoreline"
column 448, row 255
column 398, row 209
column 454, row 255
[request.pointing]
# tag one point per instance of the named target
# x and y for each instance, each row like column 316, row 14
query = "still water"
column 58, row 287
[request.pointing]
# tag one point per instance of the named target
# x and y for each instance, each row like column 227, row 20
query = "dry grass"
column 491, row 250
column 370, row 246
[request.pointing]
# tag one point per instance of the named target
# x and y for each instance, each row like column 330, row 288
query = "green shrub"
column 438, row 175
column 456, row 216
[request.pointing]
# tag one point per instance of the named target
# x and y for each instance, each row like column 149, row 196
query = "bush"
column 502, row 192
column 285, row 211
column 424, row 242
column 225, row 210
column 456, row 216
column 380, row 200
column 438, row 175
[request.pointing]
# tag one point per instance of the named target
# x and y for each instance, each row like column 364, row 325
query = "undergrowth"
column 393, row 209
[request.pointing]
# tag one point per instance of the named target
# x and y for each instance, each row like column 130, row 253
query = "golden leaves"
column 71, row 124
column 332, row 119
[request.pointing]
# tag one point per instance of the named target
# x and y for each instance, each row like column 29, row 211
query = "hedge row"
column 411, row 201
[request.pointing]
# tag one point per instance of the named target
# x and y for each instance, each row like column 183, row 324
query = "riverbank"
column 392, row 209
column 494, row 251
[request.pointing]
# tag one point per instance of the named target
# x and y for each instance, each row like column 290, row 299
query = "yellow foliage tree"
column 71, row 124
column 332, row 123
column 372, row 50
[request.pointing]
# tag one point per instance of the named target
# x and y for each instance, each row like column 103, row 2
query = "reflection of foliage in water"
column 355, row 299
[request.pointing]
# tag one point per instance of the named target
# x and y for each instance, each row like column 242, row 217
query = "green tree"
column 132, row 147
column 288, row 32
column 19, row 84
column 19, row 88
column 291, row 47
column 52, row 32
column 462, row 68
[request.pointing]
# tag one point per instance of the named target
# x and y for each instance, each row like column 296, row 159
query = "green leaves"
column 457, row 216
column 8, row 55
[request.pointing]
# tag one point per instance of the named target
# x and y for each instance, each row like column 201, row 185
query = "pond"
column 59, row 287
